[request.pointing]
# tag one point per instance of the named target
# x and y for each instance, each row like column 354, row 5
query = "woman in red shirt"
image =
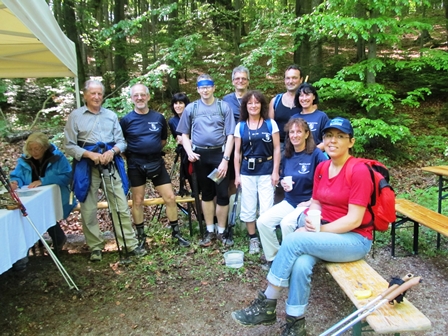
column 342, row 236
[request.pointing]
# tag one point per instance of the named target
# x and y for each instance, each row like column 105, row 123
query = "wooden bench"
column 417, row 214
column 155, row 201
column 400, row 317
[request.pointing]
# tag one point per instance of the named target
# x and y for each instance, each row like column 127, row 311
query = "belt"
column 207, row 147
column 145, row 156
column 259, row 160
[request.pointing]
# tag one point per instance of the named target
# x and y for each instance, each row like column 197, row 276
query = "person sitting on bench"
column 346, row 234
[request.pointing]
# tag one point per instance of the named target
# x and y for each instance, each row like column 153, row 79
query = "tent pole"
column 78, row 100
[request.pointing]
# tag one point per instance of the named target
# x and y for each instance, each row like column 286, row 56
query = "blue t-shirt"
column 234, row 103
column 144, row 132
column 173, row 123
column 257, row 144
column 316, row 121
column 282, row 114
column 301, row 166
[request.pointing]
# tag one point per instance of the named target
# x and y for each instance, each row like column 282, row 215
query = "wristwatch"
column 113, row 151
column 226, row 158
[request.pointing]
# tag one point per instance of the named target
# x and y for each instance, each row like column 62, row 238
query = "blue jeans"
column 300, row 251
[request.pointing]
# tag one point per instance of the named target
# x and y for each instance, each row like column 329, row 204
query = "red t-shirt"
column 335, row 194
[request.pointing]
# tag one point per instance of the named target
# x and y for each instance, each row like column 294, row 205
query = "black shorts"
column 137, row 177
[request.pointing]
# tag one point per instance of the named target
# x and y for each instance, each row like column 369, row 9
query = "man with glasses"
column 207, row 126
column 240, row 80
column 146, row 132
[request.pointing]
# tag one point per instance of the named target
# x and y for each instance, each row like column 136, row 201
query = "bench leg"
column 189, row 219
column 416, row 226
column 392, row 232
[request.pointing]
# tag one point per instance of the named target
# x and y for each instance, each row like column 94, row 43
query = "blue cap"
column 341, row 124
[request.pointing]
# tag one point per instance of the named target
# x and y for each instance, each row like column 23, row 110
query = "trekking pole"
column 5, row 181
column 104, row 170
column 232, row 221
column 387, row 296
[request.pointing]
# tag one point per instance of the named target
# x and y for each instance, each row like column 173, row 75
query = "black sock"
column 252, row 236
column 174, row 227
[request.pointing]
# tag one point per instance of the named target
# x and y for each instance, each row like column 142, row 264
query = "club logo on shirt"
column 312, row 126
column 153, row 126
column 304, row 168
column 267, row 137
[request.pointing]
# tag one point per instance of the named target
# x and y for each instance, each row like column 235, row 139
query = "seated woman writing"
column 345, row 236
column 42, row 163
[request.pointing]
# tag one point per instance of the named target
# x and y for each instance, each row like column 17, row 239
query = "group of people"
column 266, row 149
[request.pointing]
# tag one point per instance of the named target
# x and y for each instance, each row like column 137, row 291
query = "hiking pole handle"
column 402, row 288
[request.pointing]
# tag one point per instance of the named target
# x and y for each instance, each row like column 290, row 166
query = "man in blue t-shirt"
column 146, row 132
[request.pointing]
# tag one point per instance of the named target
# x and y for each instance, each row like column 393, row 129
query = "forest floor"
column 176, row 291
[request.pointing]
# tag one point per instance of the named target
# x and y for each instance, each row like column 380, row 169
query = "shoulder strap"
column 349, row 169
column 277, row 100
column 219, row 101
column 195, row 111
column 242, row 126
column 269, row 124
column 322, row 167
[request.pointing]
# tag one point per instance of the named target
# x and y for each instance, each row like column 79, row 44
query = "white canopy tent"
column 32, row 44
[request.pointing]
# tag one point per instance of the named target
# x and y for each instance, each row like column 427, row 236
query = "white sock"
column 211, row 228
column 272, row 292
column 221, row 229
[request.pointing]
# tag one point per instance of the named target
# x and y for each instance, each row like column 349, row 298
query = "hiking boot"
column 96, row 255
column 294, row 326
column 208, row 239
column 139, row 251
column 225, row 241
column 267, row 266
column 254, row 246
column 260, row 311
column 141, row 236
column 181, row 240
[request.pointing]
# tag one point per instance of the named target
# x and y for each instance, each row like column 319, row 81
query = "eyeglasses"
column 204, row 88
column 338, row 137
column 139, row 95
column 240, row 79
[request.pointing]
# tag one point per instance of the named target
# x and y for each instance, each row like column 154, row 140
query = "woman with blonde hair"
column 42, row 163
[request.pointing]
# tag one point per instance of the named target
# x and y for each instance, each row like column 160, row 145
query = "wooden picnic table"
column 442, row 173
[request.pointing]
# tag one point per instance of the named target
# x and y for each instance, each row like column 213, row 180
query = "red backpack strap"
column 351, row 162
column 321, row 167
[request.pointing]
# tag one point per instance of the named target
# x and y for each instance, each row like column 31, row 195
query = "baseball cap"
column 341, row 124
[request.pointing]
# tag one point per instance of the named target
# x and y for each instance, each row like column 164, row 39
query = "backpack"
column 382, row 200
column 277, row 100
column 243, row 126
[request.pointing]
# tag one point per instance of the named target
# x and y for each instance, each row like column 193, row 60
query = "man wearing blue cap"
column 207, row 126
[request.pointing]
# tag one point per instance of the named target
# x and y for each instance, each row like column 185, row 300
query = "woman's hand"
column 237, row 181
column 193, row 157
column 35, row 184
column 285, row 186
column 274, row 179
column 14, row 185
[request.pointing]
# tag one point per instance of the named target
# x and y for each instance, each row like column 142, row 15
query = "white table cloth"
column 44, row 207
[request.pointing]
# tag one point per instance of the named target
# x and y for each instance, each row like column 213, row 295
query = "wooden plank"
column 146, row 201
column 438, row 170
column 422, row 215
column 358, row 275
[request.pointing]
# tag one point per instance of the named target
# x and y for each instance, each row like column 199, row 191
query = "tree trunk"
column 145, row 36
column 302, row 54
column 121, row 73
column 360, row 43
column 73, row 34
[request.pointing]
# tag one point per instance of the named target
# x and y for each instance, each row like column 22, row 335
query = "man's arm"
column 271, row 109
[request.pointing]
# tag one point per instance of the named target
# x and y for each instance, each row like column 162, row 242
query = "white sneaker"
column 254, row 246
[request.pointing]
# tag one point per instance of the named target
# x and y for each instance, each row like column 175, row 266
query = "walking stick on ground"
column 387, row 296
column 5, row 181
column 232, row 222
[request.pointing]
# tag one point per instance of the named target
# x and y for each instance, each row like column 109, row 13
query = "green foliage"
column 377, row 133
